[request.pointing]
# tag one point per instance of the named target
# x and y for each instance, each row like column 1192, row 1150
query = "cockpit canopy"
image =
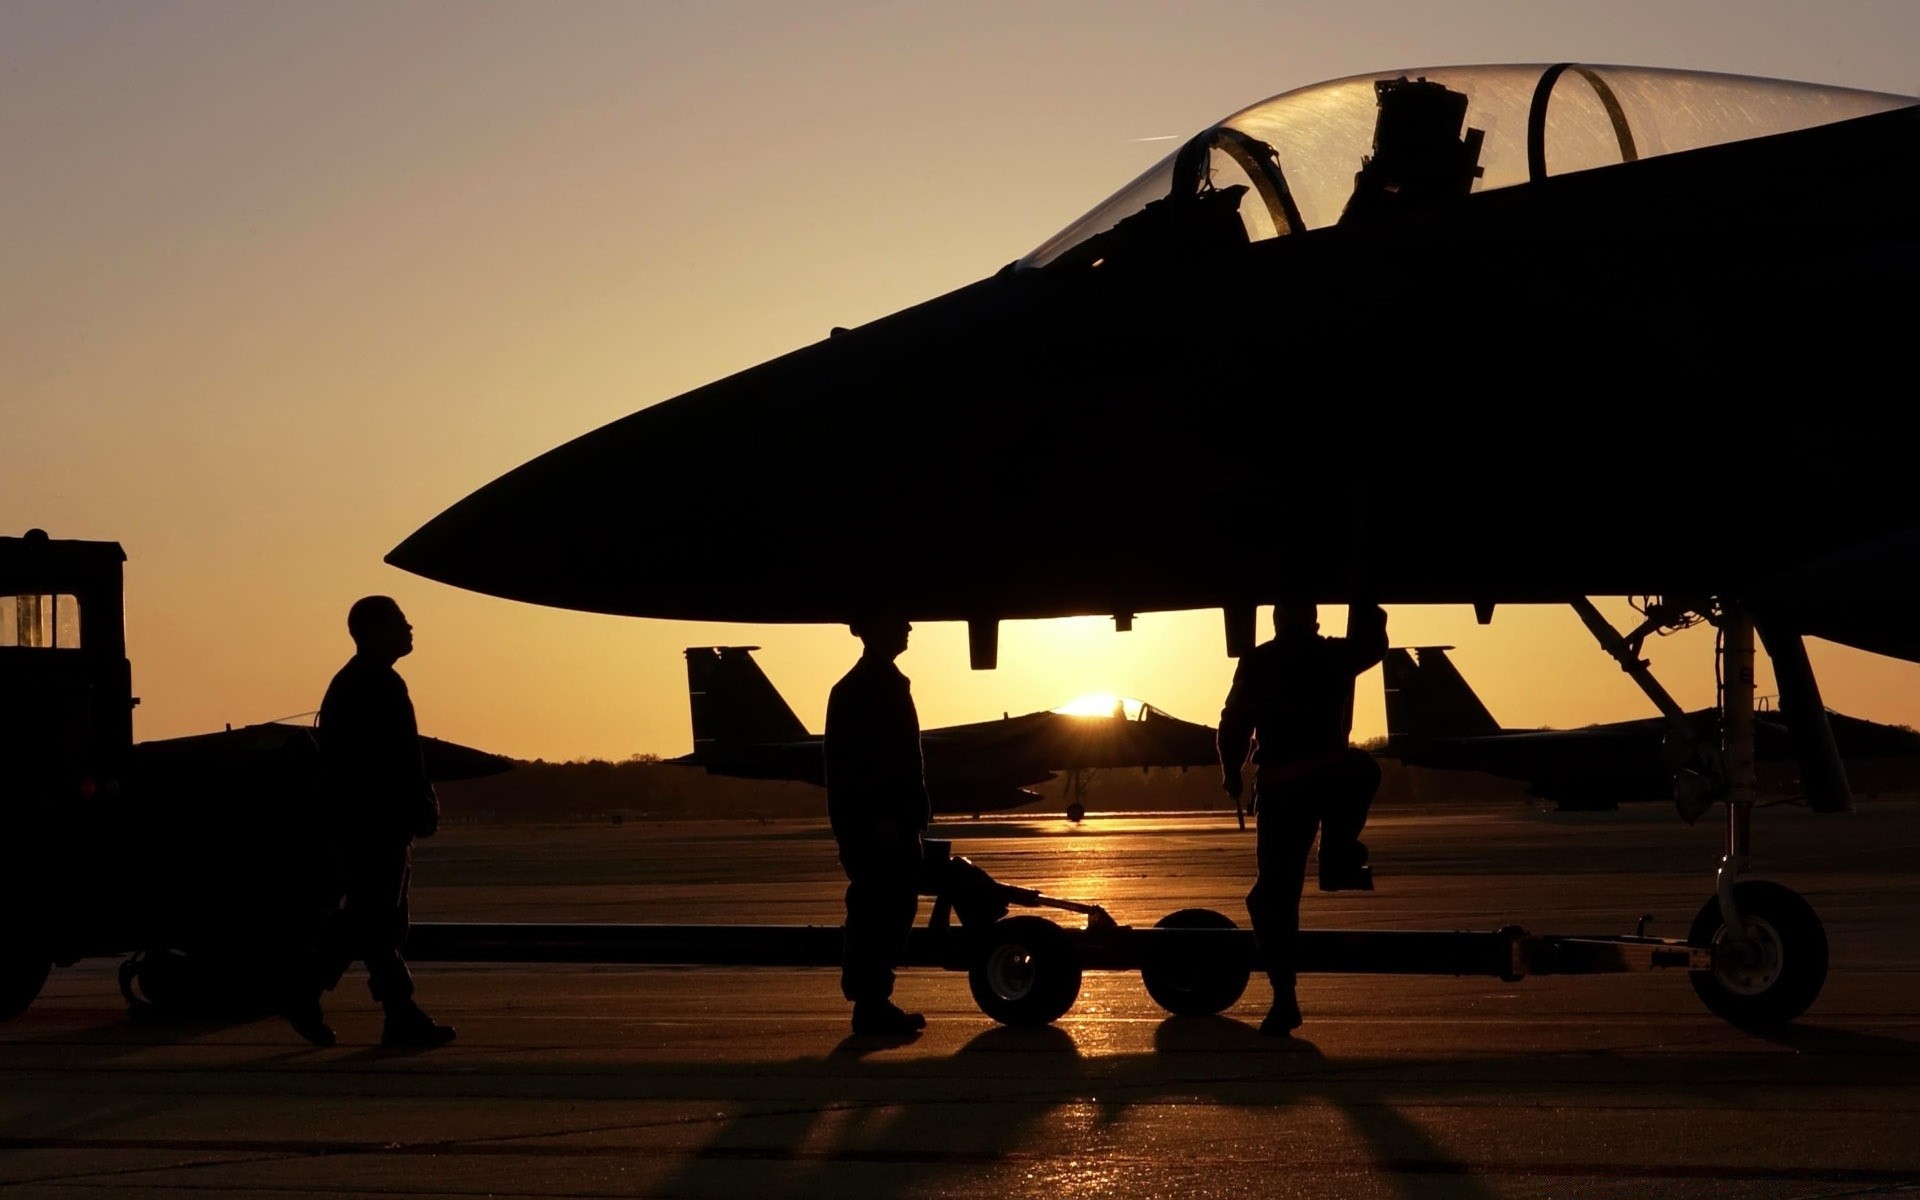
column 1367, row 144
column 1106, row 704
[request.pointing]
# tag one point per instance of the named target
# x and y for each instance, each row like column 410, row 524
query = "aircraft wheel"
column 1025, row 972
column 1774, row 976
column 21, row 978
column 1076, row 812
column 1187, row 983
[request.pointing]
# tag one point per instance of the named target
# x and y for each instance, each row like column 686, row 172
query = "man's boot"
column 1345, row 870
column 408, row 1027
column 309, row 1022
column 1283, row 1018
column 884, row 1016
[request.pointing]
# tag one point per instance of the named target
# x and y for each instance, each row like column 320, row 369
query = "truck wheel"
column 21, row 979
column 1025, row 972
column 149, row 983
column 1775, row 975
column 216, row 984
column 1188, row 983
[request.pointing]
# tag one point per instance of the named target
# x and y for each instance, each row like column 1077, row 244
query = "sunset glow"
column 1101, row 704
column 284, row 282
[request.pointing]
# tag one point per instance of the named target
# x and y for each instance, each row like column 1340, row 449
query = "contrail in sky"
column 1165, row 137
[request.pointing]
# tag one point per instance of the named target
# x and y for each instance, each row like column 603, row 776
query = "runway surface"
column 604, row 1081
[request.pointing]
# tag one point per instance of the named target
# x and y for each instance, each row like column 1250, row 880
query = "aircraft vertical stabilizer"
column 733, row 701
column 1428, row 697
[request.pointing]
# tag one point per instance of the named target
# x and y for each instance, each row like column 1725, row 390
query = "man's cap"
column 873, row 615
column 1296, row 607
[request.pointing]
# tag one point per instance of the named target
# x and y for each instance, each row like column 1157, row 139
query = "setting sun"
column 1101, row 704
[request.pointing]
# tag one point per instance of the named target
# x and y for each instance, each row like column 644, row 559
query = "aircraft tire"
column 1778, row 978
column 1025, row 971
column 1191, row 986
column 1076, row 812
column 21, row 978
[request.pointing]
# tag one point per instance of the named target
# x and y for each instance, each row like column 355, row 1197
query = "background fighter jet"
column 1434, row 719
column 1329, row 337
column 743, row 728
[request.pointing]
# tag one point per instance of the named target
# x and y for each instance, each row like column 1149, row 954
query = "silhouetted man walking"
column 877, row 803
column 375, row 784
column 1292, row 699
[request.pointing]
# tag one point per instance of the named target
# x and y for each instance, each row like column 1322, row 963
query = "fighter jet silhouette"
column 742, row 727
column 1435, row 719
column 1466, row 335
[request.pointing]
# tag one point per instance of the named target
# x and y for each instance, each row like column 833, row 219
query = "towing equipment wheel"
column 1025, row 971
column 1775, row 974
column 224, row 983
column 21, row 978
column 1189, row 983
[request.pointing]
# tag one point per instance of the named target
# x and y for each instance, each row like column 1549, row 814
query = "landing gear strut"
column 1076, row 790
column 1768, row 948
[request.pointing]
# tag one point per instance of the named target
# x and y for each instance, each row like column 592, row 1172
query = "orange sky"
column 278, row 283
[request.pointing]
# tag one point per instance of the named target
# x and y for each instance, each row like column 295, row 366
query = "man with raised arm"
column 1291, row 704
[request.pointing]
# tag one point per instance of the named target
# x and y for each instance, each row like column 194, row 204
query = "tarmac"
column 584, row 1081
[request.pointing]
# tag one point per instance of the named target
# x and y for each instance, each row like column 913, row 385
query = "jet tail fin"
column 1427, row 696
column 734, row 702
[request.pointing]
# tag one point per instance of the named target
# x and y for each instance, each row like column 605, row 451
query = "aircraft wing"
column 447, row 761
column 1631, row 746
column 1068, row 742
column 1529, row 751
column 274, row 753
column 778, row 746
column 798, row 760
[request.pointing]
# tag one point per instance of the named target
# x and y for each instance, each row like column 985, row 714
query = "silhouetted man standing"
column 877, row 803
column 375, row 784
column 1292, row 698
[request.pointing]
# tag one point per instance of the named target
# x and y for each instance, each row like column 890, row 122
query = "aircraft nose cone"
column 679, row 510
column 941, row 459
column 787, row 492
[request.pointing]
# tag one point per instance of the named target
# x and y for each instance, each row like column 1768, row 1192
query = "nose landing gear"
column 1768, row 948
column 1768, row 972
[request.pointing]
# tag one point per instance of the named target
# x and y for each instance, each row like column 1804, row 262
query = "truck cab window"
column 40, row 622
